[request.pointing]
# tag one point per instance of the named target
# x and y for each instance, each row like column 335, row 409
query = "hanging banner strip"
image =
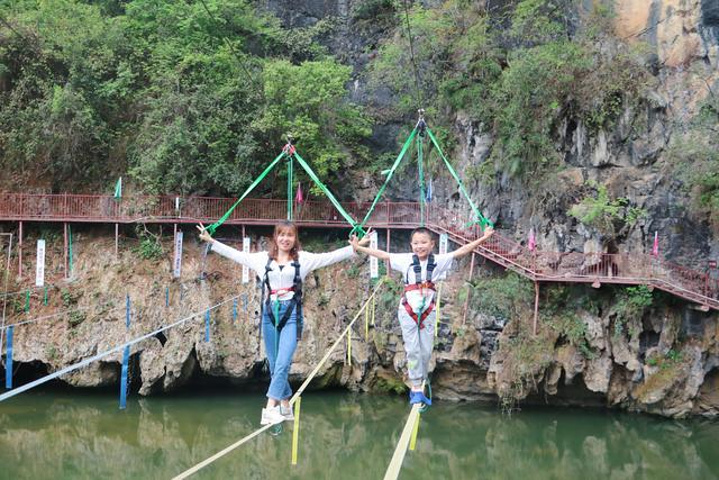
column 8, row 359
column 234, row 311
column 245, row 269
column 443, row 244
column 373, row 261
column 167, row 296
column 177, row 263
column 40, row 264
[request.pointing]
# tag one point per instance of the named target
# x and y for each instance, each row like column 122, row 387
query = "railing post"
column 19, row 251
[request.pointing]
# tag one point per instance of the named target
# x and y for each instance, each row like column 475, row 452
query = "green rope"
column 480, row 218
column 389, row 175
column 421, row 181
column 289, row 187
column 211, row 229
column 44, row 299
column 325, row 190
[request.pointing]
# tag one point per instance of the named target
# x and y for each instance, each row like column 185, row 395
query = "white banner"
column 373, row 262
column 40, row 267
column 178, row 256
column 245, row 270
column 443, row 242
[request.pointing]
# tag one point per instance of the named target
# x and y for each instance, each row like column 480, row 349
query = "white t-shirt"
column 282, row 277
column 402, row 262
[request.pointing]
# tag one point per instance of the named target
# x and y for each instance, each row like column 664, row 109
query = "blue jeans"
column 280, row 346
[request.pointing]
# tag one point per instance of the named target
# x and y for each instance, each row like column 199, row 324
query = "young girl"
column 282, row 270
column 416, row 312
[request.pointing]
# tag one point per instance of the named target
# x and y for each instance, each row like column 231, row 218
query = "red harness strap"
column 412, row 314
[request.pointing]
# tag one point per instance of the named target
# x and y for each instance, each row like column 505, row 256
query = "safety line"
column 118, row 348
column 294, row 398
column 57, row 314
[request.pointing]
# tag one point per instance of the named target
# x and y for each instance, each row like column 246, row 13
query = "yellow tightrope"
column 366, row 324
column 349, row 347
column 413, row 441
column 296, row 431
column 396, row 464
column 294, row 398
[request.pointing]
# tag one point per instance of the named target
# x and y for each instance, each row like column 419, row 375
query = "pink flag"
column 299, row 198
column 532, row 241
column 655, row 247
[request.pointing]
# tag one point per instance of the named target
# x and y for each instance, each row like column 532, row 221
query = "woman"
column 282, row 270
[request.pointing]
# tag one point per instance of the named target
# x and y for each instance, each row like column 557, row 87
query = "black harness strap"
column 296, row 299
column 417, row 267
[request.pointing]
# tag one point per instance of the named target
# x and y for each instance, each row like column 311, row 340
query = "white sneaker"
column 288, row 413
column 271, row 416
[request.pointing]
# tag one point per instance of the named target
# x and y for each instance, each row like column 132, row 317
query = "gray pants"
column 418, row 344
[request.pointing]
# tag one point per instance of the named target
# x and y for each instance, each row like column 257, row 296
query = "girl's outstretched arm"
column 359, row 246
column 464, row 250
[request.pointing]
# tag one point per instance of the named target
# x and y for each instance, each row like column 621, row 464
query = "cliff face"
column 662, row 361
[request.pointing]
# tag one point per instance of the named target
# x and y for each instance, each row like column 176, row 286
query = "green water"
column 343, row 436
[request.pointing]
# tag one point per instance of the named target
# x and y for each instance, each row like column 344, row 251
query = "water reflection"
column 342, row 436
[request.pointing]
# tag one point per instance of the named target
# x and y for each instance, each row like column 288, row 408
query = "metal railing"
column 537, row 265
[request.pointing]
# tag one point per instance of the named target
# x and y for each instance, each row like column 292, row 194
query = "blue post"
column 8, row 359
column 125, row 359
column 234, row 311
column 207, row 325
column 123, row 378
column 127, row 311
column 167, row 296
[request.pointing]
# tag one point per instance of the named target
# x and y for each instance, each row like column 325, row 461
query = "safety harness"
column 419, row 285
column 296, row 299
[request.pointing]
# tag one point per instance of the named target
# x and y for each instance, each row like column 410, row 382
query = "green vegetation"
column 150, row 247
column 695, row 158
column 504, row 297
column 184, row 100
column 631, row 304
column 599, row 211
column 521, row 82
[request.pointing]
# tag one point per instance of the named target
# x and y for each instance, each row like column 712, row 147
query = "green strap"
column 211, row 229
column 289, row 187
column 421, row 181
column 389, row 175
column 480, row 218
column 325, row 190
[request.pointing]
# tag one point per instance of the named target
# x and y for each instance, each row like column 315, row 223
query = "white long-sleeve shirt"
column 282, row 276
